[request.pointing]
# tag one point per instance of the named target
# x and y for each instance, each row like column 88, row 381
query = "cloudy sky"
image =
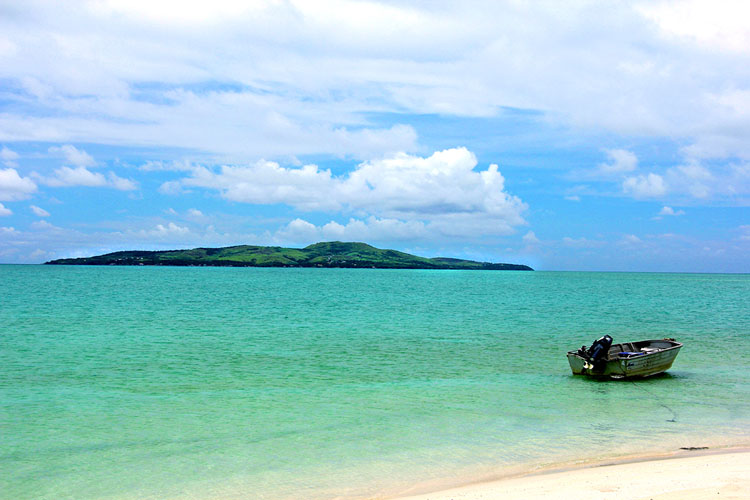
column 577, row 135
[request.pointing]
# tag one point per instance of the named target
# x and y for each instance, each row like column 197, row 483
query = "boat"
column 626, row 360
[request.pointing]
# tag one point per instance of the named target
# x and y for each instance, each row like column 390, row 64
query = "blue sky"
column 568, row 136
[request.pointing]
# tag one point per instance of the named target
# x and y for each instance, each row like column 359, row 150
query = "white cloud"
column 372, row 229
column 621, row 161
column 13, row 187
column 4, row 211
column 530, row 238
column 719, row 24
column 74, row 156
column 163, row 232
column 631, row 239
column 8, row 157
column 442, row 190
column 298, row 77
column 40, row 212
column 120, row 183
column 81, row 176
column 671, row 212
column 171, row 188
column 78, row 176
column 645, row 186
column 43, row 225
column 194, row 212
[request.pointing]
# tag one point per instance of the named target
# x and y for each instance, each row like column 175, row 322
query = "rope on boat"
column 659, row 401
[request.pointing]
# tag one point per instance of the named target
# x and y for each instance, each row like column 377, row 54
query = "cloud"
column 172, row 188
column 43, row 225
column 78, row 176
column 719, row 25
column 297, row 78
column 645, row 186
column 81, row 176
column 443, row 190
column 8, row 157
column 372, row 229
column 4, row 211
column 669, row 211
column 630, row 239
column 530, row 238
column 74, row 156
column 163, row 232
column 621, row 161
column 13, row 187
column 40, row 212
column 194, row 212
column 120, row 183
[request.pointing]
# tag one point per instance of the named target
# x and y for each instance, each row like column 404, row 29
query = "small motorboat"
column 627, row 360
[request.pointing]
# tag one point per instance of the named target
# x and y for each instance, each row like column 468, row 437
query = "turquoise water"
column 125, row 383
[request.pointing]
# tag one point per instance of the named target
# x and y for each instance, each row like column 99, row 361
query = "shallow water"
column 129, row 382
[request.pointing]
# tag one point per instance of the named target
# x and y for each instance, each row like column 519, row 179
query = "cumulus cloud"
column 39, row 212
column 78, row 176
column 13, row 187
column 621, row 161
column 669, row 211
column 645, row 186
column 4, row 211
column 74, row 156
column 82, row 176
column 443, row 190
column 370, row 229
column 120, row 183
column 163, row 232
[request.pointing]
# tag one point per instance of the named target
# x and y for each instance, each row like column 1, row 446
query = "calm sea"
column 203, row 383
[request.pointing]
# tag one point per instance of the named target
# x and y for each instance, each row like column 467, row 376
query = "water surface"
column 142, row 382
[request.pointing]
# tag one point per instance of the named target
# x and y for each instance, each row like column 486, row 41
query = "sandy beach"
column 685, row 475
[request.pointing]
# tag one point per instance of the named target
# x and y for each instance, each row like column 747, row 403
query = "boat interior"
column 628, row 349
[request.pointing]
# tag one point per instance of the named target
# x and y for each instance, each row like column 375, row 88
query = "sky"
column 578, row 135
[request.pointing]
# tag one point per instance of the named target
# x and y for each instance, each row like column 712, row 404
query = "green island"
column 328, row 254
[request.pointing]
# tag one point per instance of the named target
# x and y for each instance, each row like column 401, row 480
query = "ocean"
column 252, row 383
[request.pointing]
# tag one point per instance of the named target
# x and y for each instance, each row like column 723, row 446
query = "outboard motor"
column 597, row 353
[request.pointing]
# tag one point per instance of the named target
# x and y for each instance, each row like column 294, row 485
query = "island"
column 327, row 254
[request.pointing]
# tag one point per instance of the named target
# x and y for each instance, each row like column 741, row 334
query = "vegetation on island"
column 329, row 254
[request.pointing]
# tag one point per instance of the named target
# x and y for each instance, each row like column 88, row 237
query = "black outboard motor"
column 597, row 353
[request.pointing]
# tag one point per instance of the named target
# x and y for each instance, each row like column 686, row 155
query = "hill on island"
column 329, row 254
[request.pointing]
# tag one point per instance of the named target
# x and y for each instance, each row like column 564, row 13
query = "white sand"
column 684, row 476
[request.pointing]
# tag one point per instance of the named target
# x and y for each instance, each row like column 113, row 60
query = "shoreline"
column 681, row 474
